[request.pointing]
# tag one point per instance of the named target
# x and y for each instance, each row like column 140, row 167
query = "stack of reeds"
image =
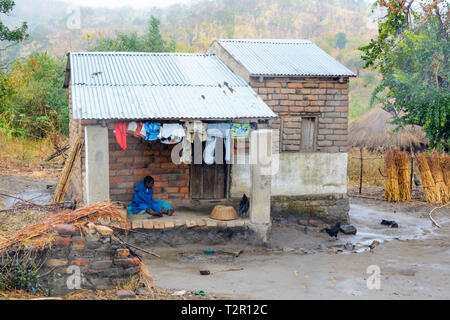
column 41, row 234
column 445, row 166
column 392, row 191
column 434, row 162
column 426, row 178
column 67, row 172
column 401, row 160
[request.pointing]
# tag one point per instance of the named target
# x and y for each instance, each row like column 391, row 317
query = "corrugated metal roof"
column 111, row 85
column 283, row 57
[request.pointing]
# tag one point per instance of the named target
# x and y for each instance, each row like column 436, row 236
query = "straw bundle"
column 67, row 172
column 41, row 234
column 392, row 191
column 401, row 159
column 434, row 162
column 427, row 180
column 445, row 166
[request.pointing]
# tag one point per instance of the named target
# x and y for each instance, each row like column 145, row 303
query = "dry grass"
column 401, row 159
column 372, row 165
column 25, row 157
column 426, row 178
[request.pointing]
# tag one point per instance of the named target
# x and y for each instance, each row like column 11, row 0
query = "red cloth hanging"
column 120, row 131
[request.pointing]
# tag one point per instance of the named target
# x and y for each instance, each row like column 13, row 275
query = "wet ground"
column 299, row 263
column 414, row 260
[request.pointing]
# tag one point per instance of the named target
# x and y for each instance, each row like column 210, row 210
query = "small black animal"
column 392, row 223
column 244, row 205
column 416, row 180
column 333, row 232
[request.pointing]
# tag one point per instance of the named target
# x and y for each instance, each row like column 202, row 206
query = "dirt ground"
column 414, row 260
column 304, row 263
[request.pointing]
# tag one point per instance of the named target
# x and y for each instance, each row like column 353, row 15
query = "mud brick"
column 123, row 252
column 136, row 224
column 273, row 84
column 158, row 224
column 147, row 224
column 126, row 262
column 52, row 263
column 79, row 262
column 295, row 85
column 62, row 241
column 66, row 229
column 101, row 264
column 169, row 224
column 78, row 242
column 201, row 223
column 210, row 223
column 190, row 223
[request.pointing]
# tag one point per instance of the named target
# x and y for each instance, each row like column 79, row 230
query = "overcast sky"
column 132, row 3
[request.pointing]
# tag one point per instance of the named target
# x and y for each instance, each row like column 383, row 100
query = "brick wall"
column 142, row 158
column 291, row 98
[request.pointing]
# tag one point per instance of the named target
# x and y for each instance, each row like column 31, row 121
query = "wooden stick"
column 431, row 212
column 135, row 247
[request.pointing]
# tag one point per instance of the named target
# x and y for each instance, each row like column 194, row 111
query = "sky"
column 132, row 3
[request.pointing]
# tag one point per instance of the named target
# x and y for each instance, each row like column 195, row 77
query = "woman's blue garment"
column 163, row 204
column 143, row 199
column 152, row 130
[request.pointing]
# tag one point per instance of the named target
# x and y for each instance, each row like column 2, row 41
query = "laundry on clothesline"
column 196, row 128
column 171, row 133
column 217, row 130
column 240, row 130
column 120, row 131
column 186, row 154
column 152, row 130
column 137, row 129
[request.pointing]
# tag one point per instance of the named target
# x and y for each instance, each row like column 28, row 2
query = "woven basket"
column 224, row 213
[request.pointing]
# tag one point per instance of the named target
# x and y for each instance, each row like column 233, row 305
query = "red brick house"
column 107, row 88
column 308, row 90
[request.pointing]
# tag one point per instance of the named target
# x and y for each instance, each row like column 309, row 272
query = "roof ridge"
column 140, row 53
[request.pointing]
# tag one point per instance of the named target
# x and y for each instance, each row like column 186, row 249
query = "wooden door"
column 209, row 182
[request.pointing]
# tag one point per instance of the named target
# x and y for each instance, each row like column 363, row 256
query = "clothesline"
column 174, row 133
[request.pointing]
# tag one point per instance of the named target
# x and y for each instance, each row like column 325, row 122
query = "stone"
column 123, row 294
column 66, row 229
column 348, row 229
column 104, row 231
column 349, row 246
column 158, row 225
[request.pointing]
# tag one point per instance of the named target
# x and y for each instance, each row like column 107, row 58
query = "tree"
column 151, row 41
column 341, row 40
column 411, row 53
column 14, row 35
column 36, row 102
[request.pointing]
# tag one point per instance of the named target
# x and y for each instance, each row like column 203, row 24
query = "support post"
column 361, row 170
column 260, row 176
column 97, row 163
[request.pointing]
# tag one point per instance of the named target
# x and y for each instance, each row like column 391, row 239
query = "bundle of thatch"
column 41, row 234
column 401, row 159
column 392, row 191
column 434, row 162
column 426, row 178
column 445, row 166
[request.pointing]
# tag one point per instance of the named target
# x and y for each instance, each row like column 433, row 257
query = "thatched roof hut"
column 373, row 131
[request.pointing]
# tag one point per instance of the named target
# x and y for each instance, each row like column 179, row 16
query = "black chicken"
column 244, row 206
column 416, row 180
column 333, row 232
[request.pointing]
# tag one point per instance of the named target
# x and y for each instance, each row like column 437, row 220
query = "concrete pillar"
column 97, row 163
column 260, row 176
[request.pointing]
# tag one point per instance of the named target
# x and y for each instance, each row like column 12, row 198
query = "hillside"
column 337, row 26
